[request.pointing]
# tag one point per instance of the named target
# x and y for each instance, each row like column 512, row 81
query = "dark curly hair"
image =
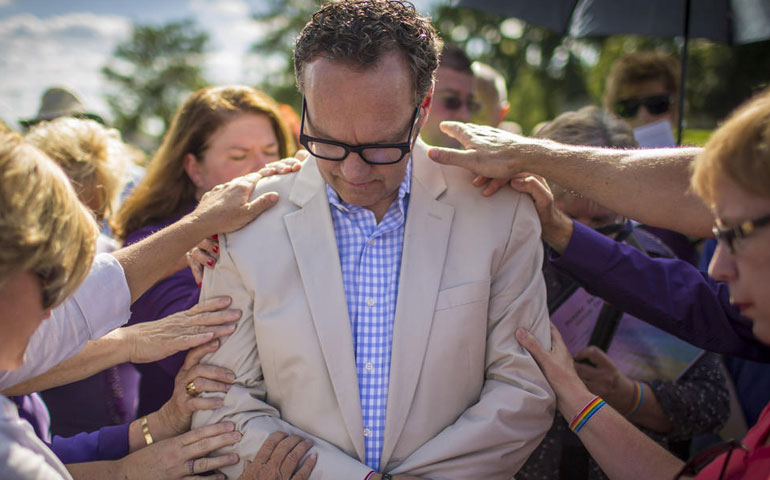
column 360, row 32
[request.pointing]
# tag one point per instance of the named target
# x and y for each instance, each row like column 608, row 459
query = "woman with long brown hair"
column 219, row 133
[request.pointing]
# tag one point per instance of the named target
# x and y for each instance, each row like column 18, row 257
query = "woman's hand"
column 182, row 456
column 559, row 369
column 279, row 458
column 193, row 379
column 153, row 341
column 557, row 226
column 604, row 379
column 206, row 253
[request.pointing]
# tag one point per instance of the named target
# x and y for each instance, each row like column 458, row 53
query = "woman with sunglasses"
column 732, row 175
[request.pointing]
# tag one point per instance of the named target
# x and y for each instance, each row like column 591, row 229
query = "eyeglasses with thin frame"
column 371, row 153
column 455, row 103
column 704, row 458
column 655, row 104
column 730, row 236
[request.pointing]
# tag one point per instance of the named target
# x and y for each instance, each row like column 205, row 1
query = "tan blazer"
column 465, row 401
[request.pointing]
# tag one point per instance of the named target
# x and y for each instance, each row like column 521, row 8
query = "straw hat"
column 60, row 102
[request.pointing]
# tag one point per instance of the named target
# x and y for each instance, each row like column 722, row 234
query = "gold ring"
column 191, row 390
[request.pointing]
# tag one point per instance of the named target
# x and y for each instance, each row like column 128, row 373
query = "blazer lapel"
column 312, row 237
column 425, row 245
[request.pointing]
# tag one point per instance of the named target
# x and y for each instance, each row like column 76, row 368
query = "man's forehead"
column 385, row 85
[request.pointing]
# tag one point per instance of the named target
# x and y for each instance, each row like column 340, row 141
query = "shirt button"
column 371, row 242
column 369, row 367
column 370, row 302
column 367, row 432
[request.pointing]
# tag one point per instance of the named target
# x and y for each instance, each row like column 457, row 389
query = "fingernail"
column 236, row 436
column 215, row 236
column 232, row 457
column 522, row 334
column 200, row 284
column 210, row 262
column 518, row 181
column 230, row 377
column 215, row 249
column 272, row 196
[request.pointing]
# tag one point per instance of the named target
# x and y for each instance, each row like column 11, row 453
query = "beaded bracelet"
column 586, row 413
column 638, row 398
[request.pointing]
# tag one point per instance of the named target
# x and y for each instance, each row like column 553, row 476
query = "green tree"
column 544, row 72
column 152, row 73
column 281, row 21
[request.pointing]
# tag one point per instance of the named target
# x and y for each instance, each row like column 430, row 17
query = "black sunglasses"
column 655, row 104
column 728, row 236
column 372, row 153
column 702, row 459
column 455, row 103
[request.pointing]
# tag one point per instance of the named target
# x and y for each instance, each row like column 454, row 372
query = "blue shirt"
column 370, row 257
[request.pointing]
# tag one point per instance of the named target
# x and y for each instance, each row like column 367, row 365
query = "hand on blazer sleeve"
column 493, row 438
column 245, row 403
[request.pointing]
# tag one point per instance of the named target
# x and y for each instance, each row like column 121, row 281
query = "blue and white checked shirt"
column 370, row 256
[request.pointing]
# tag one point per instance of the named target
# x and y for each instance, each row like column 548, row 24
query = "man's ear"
column 505, row 108
column 425, row 106
column 193, row 169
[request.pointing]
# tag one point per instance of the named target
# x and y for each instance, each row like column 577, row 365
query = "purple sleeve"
column 670, row 294
column 173, row 294
column 107, row 443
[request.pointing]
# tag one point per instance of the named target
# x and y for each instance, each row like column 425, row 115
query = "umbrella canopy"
column 725, row 21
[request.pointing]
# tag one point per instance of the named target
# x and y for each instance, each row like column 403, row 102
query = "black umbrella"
column 725, row 21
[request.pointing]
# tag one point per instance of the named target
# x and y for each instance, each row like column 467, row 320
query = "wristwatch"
column 386, row 476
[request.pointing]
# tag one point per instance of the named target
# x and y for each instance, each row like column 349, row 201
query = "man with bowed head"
column 377, row 322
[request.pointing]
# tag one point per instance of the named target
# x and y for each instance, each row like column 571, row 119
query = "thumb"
column 532, row 345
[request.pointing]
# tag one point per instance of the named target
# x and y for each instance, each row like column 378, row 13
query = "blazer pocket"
column 462, row 295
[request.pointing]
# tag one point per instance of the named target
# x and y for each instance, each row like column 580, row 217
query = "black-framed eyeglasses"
column 729, row 236
column 455, row 103
column 655, row 104
column 372, row 153
column 702, row 459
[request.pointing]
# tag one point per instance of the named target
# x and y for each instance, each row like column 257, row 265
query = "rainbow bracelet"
column 588, row 411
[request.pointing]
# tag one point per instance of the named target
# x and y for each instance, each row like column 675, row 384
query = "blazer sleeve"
column 493, row 437
column 245, row 404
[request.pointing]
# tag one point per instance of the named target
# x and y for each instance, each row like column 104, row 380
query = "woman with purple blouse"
column 219, row 133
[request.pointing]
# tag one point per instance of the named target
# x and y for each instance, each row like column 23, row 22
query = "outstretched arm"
column 225, row 208
column 650, row 186
column 620, row 449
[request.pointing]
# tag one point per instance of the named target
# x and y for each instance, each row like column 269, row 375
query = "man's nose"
column 354, row 169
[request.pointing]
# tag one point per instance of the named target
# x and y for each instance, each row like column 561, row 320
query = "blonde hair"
column 166, row 190
column 43, row 226
column 92, row 156
column 738, row 150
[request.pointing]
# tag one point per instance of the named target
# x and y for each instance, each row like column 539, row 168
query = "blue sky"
column 45, row 43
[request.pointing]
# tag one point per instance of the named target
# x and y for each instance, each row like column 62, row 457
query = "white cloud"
column 232, row 32
column 66, row 50
column 5, row 3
